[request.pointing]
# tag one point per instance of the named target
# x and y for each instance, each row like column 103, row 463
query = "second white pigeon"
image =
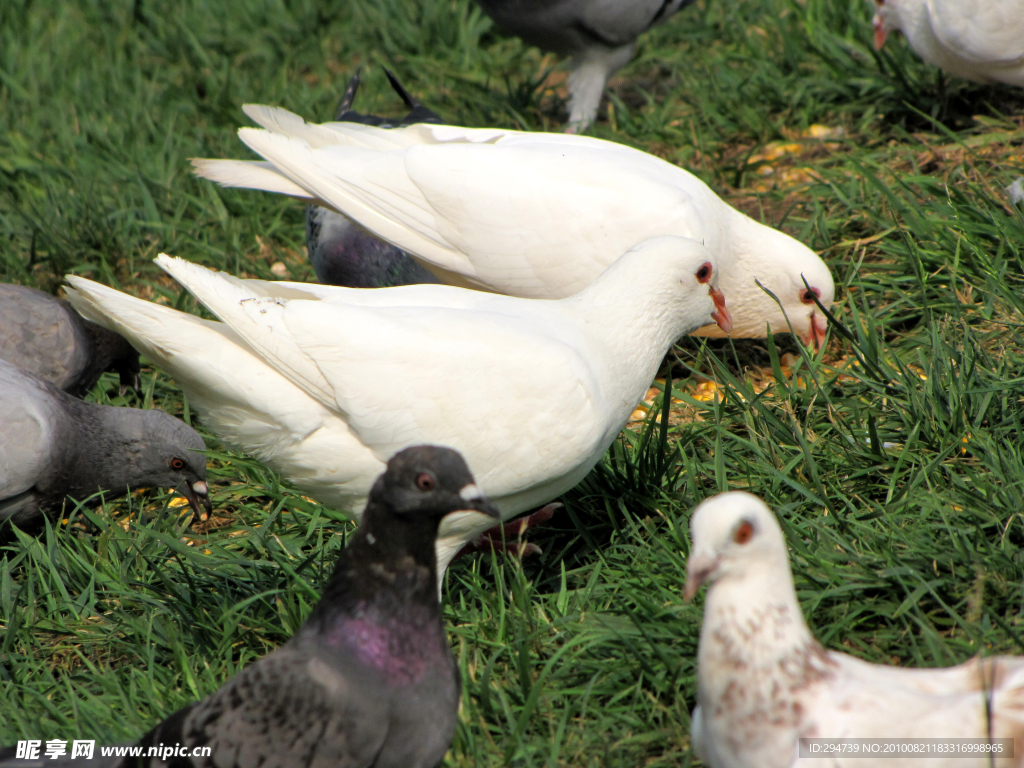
column 325, row 383
column 980, row 40
column 537, row 215
column 764, row 682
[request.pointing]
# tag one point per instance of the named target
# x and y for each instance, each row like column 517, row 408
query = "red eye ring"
column 177, row 464
column 704, row 273
column 805, row 296
column 425, row 481
column 744, row 533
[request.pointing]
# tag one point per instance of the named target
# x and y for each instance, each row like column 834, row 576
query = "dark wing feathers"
column 289, row 710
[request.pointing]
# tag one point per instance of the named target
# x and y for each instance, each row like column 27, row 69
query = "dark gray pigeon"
column 369, row 679
column 599, row 35
column 55, row 447
column 342, row 252
column 45, row 336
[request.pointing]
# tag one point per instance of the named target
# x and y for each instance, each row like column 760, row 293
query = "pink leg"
column 508, row 538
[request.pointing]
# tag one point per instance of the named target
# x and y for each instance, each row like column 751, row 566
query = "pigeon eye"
column 704, row 273
column 425, row 482
column 744, row 533
column 177, row 464
column 805, row 297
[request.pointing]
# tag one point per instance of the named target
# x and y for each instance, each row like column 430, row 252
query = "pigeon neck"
column 388, row 561
column 109, row 350
column 108, row 444
column 637, row 320
column 753, row 633
column 380, row 607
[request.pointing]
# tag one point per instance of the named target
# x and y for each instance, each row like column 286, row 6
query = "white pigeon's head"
column 677, row 274
column 781, row 264
column 887, row 19
column 733, row 536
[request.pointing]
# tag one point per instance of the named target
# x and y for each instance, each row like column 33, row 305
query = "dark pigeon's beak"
column 476, row 500
column 721, row 314
column 198, row 495
column 130, row 379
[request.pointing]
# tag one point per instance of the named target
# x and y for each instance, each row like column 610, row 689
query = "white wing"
column 982, row 31
column 876, row 701
column 401, row 375
column 242, row 400
column 536, row 215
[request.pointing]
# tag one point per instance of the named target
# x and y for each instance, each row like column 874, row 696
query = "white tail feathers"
column 255, row 317
column 250, row 174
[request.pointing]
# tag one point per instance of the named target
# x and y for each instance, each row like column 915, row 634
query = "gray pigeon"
column 369, row 679
column 342, row 252
column 599, row 35
column 45, row 336
column 55, row 447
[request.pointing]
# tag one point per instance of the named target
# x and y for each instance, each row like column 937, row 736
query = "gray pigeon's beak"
column 198, row 495
column 699, row 568
column 130, row 379
column 477, row 501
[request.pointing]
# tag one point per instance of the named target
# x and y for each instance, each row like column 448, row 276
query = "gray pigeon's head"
column 166, row 455
column 427, row 481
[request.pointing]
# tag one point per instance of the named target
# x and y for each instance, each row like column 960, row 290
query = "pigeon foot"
column 508, row 538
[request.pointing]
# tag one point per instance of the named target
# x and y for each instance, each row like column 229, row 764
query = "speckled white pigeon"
column 324, row 383
column 980, row 40
column 537, row 215
column 763, row 681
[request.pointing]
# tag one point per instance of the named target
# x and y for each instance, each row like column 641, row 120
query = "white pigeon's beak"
column 699, row 568
column 721, row 314
column 815, row 335
column 881, row 33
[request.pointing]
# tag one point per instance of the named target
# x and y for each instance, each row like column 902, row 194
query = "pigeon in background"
column 599, row 35
column 368, row 679
column 323, row 383
column 55, row 447
column 45, row 336
column 342, row 252
column 981, row 40
column 1016, row 191
column 535, row 215
column 764, row 682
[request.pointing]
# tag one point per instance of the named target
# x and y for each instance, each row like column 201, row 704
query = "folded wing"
column 453, row 376
column 983, row 31
column 535, row 215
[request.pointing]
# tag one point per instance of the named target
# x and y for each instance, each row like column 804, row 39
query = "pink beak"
column 816, row 335
column 721, row 314
column 880, row 32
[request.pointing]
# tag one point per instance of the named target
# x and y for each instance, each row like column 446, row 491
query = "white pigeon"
column 764, row 682
column 537, row 215
column 980, row 40
column 325, row 384
column 599, row 35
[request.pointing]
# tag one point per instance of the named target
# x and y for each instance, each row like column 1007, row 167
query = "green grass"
column 907, row 554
